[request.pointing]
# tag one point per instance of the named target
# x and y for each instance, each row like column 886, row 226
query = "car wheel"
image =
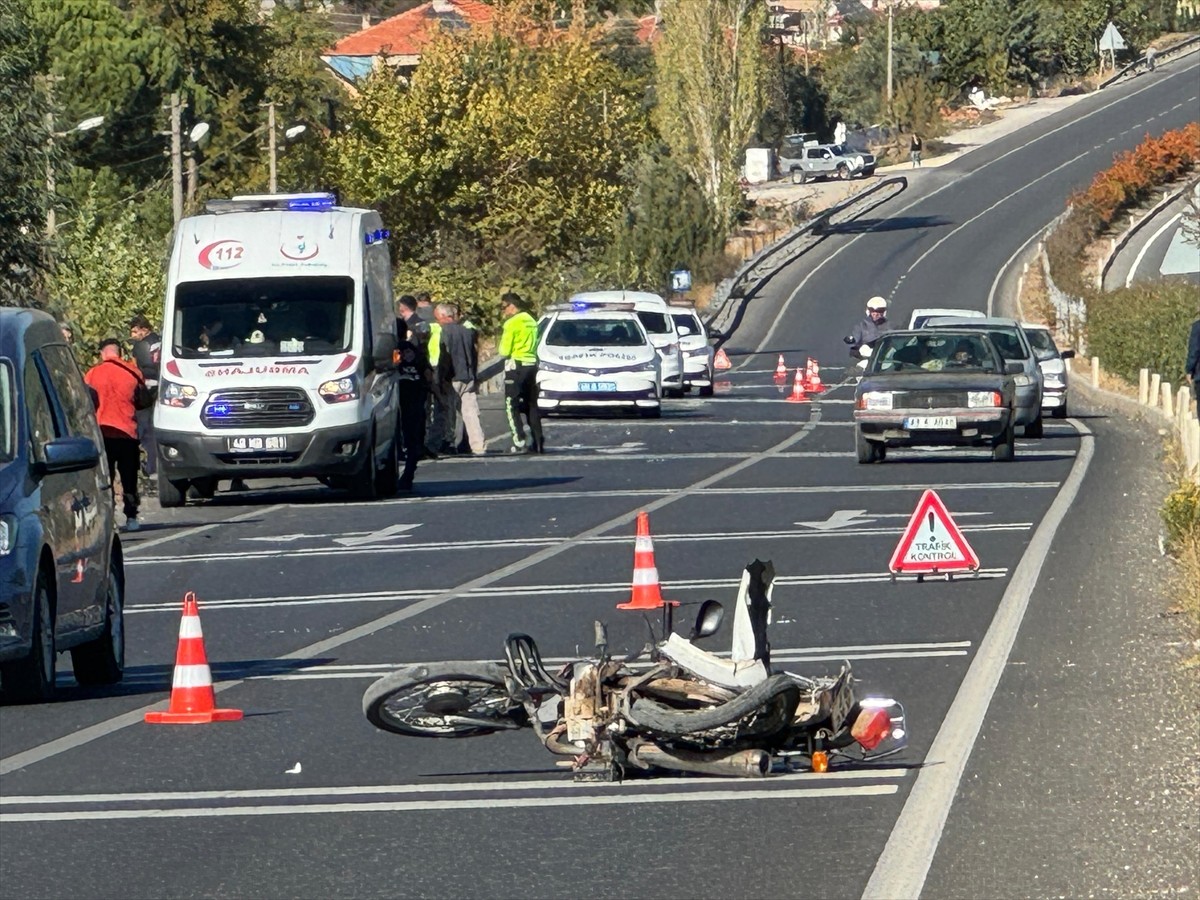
column 1059, row 412
column 205, row 487
column 1036, row 428
column 843, row 172
column 868, row 451
column 171, row 492
column 1005, row 447
column 799, row 176
column 102, row 660
column 650, row 412
column 31, row 680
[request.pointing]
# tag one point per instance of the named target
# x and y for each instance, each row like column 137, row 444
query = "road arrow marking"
column 375, row 537
column 839, row 519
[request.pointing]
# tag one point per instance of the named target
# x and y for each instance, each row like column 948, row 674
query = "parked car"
column 62, row 578
column 808, row 161
column 698, row 353
column 1052, row 362
column 1013, row 344
column 655, row 316
column 920, row 316
column 944, row 387
column 594, row 356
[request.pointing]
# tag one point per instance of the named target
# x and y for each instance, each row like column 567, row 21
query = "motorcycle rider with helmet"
column 870, row 329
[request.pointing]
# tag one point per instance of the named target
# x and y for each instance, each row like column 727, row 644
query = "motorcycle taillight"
column 871, row 727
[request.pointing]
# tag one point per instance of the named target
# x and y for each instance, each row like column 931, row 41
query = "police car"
column 655, row 316
column 594, row 356
column 697, row 352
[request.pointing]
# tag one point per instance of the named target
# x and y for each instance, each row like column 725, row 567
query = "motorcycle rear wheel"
column 778, row 695
column 444, row 700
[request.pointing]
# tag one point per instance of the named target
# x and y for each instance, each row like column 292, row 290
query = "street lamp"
column 51, row 135
column 197, row 135
column 290, row 133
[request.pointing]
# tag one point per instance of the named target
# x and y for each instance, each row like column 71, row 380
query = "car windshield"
column 655, row 322
column 1006, row 338
column 263, row 317
column 933, row 352
column 595, row 333
column 687, row 323
column 1042, row 343
column 8, row 413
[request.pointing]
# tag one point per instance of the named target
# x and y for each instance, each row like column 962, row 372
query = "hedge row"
column 1145, row 326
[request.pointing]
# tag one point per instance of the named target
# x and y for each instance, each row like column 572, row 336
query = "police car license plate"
column 597, row 386
column 931, row 423
column 256, row 444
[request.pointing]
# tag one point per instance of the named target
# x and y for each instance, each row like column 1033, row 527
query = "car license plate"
column 931, row 423
column 597, row 386
column 841, row 699
column 256, row 444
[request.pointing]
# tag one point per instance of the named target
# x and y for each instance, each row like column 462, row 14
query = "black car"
column 939, row 388
column 62, row 580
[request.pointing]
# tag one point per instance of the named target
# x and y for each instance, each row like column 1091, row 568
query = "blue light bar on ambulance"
column 317, row 202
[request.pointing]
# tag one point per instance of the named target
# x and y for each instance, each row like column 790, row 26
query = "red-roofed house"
column 397, row 42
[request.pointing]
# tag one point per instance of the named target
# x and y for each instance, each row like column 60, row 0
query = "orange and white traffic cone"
column 798, row 395
column 815, row 385
column 781, row 369
column 722, row 360
column 192, row 699
column 646, row 593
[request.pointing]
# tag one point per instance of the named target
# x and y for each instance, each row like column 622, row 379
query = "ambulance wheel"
column 364, row 484
column 387, row 479
column 170, row 492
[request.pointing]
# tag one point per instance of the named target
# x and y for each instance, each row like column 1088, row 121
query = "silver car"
column 1052, row 362
column 1012, row 342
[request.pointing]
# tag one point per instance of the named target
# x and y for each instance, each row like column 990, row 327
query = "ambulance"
column 277, row 349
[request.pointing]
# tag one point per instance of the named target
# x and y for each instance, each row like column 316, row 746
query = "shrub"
column 1181, row 514
column 1142, row 327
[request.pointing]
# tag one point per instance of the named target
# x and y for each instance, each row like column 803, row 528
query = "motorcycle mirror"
column 708, row 620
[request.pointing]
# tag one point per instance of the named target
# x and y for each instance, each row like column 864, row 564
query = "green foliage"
column 23, row 160
column 1181, row 514
column 794, row 101
column 106, row 272
column 990, row 42
column 1142, row 327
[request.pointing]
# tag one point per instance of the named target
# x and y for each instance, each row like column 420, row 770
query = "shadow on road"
column 899, row 223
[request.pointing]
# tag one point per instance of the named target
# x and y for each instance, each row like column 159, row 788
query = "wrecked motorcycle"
column 670, row 706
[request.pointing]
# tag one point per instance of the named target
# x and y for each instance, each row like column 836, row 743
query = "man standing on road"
column 518, row 346
column 413, row 377
column 459, row 361
column 1193, row 362
column 116, row 383
column 147, row 350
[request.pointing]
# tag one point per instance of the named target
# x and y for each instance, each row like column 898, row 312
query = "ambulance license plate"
column 256, row 444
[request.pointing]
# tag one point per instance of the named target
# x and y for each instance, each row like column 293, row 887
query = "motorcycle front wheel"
column 444, row 699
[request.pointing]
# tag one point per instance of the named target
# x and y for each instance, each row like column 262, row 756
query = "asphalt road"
column 1158, row 249
column 306, row 598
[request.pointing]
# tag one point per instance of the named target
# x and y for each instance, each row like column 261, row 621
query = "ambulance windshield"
column 263, row 317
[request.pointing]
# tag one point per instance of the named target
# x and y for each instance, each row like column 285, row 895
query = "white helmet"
column 877, row 303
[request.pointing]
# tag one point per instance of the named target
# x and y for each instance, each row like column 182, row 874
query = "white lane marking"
column 1137, row 260
column 904, row 864
column 781, row 314
column 389, row 533
column 458, row 787
column 103, row 728
column 556, row 591
column 308, row 809
column 549, row 541
column 134, row 547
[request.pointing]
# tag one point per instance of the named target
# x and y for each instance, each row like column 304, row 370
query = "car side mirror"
column 69, row 454
column 384, row 351
column 1067, row 354
column 708, row 620
column 1012, row 367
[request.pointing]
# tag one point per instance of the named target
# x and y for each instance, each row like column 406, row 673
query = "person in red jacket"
column 116, row 383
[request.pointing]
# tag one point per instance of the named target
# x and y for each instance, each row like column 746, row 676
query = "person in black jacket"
column 147, row 351
column 458, row 363
column 1193, row 361
column 414, row 377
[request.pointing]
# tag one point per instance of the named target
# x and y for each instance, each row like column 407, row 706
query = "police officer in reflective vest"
column 518, row 346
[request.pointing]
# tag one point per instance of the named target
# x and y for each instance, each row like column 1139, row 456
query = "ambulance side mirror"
column 385, row 351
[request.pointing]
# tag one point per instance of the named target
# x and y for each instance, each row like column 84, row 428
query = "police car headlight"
column 177, row 395
column 550, row 367
column 339, row 390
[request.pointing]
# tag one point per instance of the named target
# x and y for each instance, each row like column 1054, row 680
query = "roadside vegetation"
column 555, row 150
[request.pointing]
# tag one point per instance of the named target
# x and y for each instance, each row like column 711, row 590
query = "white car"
column 1053, row 364
column 655, row 316
column 697, row 352
column 594, row 357
column 921, row 316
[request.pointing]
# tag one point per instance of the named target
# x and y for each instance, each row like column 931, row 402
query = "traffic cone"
column 781, row 370
column 798, row 388
column 815, row 385
column 722, row 360
column 646, row 593
column 192, row 698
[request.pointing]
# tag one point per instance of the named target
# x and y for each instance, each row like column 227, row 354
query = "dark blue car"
column 62, row 580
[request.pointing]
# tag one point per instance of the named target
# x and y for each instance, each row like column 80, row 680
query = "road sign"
column 1111, row 39
column 932, row 543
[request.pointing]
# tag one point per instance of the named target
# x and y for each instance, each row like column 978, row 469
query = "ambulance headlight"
column 339, row 390
column 177, row 395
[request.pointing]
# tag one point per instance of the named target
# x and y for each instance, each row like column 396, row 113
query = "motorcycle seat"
column 733, row 674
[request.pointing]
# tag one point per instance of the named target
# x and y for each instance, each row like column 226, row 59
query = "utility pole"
column 176, row 158
column 891, row 9
column 271, row 142
column 51, row 225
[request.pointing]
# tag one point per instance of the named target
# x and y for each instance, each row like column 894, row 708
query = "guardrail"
column 757, row 271
column 1187, row 46
column 1119, row 243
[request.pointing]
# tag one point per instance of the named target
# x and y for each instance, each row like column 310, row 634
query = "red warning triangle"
column 932, row 542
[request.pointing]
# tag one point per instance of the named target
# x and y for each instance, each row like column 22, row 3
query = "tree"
column 711, row 70
column 26, row 142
